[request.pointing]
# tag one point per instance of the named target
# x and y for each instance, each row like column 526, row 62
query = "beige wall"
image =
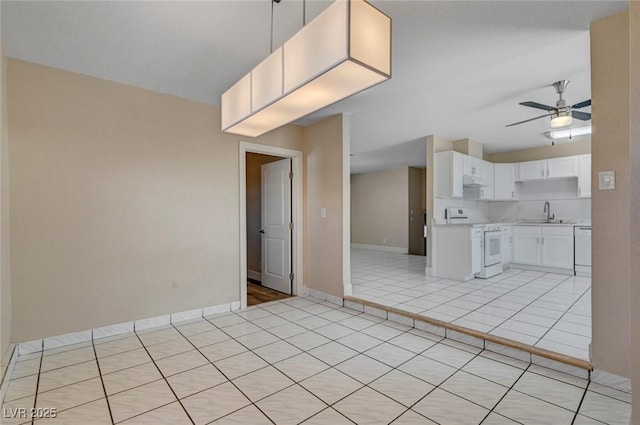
column 634, row 252
column 610, row 151
column 416, row 217
column 380, row 208
column 468, row 147
column 5, row 275
column 124, row 202
column 324, row 187
column 543, row 152
column 254, row 196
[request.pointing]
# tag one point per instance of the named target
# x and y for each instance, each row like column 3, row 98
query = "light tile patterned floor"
column 547, row 310
column 294, row 361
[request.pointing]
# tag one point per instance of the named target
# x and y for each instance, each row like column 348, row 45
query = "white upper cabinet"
column 562, row 167
column 448, row 173
column 532, row 170
column 584, row 176
column 472, row 165
column 548, row 168
column 504, row 182
column 486, row 174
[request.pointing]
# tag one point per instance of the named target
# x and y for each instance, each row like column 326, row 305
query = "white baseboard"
column 541, row 269
column 326, row 297
column 607, row 379
column 121, row 328
column 252, row 274
column 399, row 249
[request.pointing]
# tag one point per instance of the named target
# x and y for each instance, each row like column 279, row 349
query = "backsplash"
column 479, row 211
column 562, row 208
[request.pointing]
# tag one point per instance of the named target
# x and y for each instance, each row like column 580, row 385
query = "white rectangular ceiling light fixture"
column 568, row 133
column 344, row 50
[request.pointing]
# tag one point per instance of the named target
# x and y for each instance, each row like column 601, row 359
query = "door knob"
column 261, row 230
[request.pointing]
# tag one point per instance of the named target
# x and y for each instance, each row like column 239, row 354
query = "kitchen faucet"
column 547, row 209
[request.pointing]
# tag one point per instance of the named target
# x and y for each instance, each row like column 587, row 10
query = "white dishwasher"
column 582, row 251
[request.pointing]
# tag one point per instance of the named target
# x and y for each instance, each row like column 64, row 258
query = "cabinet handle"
column 513, row 195
column 542, row 172
column 543, row 241
column 537, row 241
column 547, row 172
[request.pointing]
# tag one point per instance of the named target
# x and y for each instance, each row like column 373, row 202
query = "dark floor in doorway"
column 258, row 294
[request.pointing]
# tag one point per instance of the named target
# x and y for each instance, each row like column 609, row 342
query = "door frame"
column 297, row 285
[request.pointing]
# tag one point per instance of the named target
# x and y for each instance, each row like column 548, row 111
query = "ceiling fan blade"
column 530, row 119
column 582, row 104
column 538, row 106
column 584, row 116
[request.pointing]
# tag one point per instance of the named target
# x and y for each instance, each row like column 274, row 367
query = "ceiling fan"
column 561, row 114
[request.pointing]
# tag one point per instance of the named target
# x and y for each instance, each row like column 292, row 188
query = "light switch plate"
column 607, row 180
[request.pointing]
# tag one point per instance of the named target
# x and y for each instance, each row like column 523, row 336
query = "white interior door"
column 276, row 233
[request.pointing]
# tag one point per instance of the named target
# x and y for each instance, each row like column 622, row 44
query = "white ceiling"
column 460, row 68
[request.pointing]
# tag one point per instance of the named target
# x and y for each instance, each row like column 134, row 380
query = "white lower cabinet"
column 544, row 246
column 526, row 245
column 507, row 244
column 557, row 247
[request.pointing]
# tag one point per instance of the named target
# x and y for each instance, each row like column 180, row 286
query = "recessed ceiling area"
column 459, row 68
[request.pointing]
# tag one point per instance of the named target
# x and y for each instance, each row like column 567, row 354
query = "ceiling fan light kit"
column 344, row 50
column 561, row 115
column 561, row 119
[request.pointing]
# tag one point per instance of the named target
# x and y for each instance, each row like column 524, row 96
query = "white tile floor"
column 547, row 310
column 294, row 361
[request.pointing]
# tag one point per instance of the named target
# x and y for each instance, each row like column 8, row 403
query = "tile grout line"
column 164, row 378
column 511, row 388
column 560, row 318
column 223, row 374
column 584, row 394
column 35, row 399
column 104, row 389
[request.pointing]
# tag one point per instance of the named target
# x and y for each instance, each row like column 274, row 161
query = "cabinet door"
column 504, row 188
column 584, row 176
column 448, row 174
column 476, row 254
column 486, row 171
column 526, row 245
column 456, row 175
column 506, row 249
column 471, row 165
column 532, row 170
column 562, row 167
column 557, row 247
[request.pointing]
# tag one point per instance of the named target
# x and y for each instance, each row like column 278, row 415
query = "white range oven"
column 491, row 251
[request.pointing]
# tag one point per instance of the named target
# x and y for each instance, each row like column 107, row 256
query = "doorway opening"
column 271, row 223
